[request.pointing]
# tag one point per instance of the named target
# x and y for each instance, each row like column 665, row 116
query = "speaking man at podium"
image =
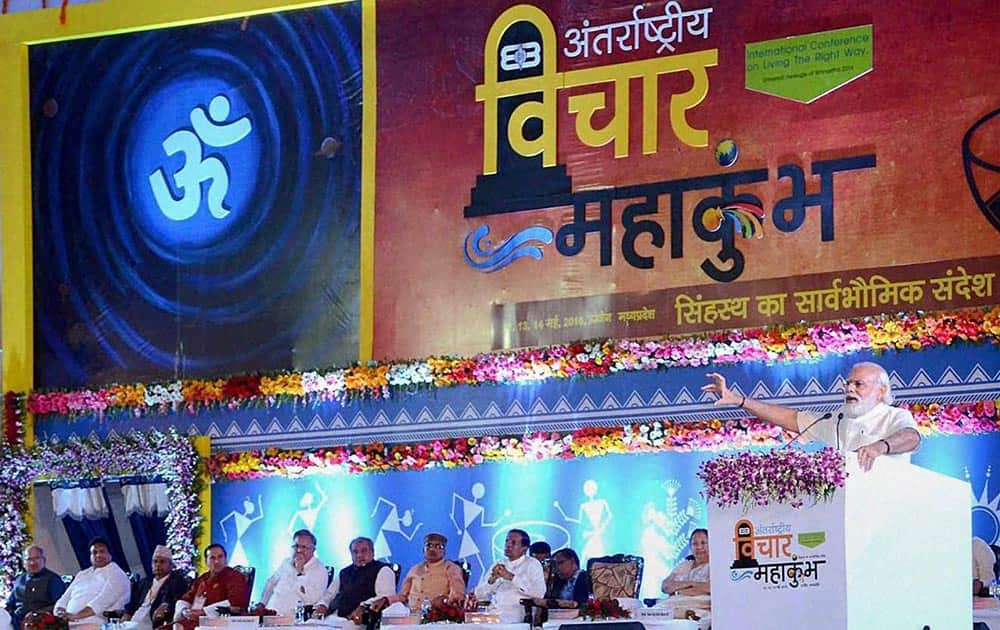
column 865, row 424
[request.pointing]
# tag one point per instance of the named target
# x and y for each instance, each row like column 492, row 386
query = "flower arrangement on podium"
column 444, row 612
column 779, row 476
column 44, row 621
column 603, row 609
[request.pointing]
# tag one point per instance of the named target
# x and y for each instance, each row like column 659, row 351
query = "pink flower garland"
column 598, row 358
column 651, row 437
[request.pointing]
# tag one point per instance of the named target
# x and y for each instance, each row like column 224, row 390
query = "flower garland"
column 779, row 476
column 598, row 358
column 13, row 418
column 168, row 454
column 658, row 436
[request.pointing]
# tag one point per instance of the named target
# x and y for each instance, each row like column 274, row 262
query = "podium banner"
column 774, row 566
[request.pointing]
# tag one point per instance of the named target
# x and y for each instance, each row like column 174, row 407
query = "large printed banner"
column 643, row 504
column 562, row 170
column 581, row 504
column 196, row 196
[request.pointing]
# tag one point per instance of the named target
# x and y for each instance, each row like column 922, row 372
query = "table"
column 989, row 616
column 462, row 626
column 651, row 624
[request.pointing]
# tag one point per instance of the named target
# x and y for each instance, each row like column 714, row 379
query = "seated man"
column 435, row 578
column 299, row 580
column 517, row 577
column 221, row 585
column 157, row 595
column 100, row 588
column 37, row 589
column 571, row 585
column 359, row 583
column 983, row 560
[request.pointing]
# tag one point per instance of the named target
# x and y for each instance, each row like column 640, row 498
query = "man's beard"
column 858, row 409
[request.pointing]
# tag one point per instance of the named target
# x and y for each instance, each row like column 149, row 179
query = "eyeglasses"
column 303, row 547
column 433, row 545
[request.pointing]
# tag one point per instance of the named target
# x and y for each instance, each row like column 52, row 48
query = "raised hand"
column 718, row 386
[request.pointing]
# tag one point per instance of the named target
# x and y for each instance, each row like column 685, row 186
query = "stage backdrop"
column 569, row 169
column 196, row 197
column 644, row 504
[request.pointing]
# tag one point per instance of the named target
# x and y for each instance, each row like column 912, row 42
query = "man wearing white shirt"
column 517, row 577
column 300, row 579
column 363, row 581
column 866, row 424
column 102, row 587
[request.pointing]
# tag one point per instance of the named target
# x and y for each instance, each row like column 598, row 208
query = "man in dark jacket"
column 570, row 583
column 37, row 589
column 153, row 603
column 365, row 579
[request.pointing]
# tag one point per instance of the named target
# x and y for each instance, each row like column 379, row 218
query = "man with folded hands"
column 517, row 577
column 220, row 586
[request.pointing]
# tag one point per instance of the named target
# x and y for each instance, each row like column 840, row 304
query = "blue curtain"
column 146, row 505
column 82, row 505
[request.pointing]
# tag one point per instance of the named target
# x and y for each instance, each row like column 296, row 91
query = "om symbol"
column 208, row 130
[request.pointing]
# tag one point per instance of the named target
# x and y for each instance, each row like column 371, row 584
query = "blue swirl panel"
column 197, row 199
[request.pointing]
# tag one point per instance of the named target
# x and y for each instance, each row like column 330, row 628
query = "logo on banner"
column 985, row 511
column 522, row 99
column 210, row 129
column 763, row 555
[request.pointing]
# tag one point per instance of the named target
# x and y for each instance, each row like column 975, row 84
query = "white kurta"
column 102, row 589
column 850, row 434
column 506, row 595
column 287, row 587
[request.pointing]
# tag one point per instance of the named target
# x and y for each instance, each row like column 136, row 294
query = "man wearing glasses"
column 299, row 580
column 866, row 424
column 435, row 578
column 37, row 589
column 360, row 582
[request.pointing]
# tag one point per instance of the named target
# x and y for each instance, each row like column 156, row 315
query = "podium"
column 891, row 549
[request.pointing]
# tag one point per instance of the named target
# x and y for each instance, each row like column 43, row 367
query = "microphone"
column 825, row 416
column 840, row 416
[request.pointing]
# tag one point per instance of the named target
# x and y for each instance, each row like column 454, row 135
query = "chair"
column 248, row 574
column 615, row 576
column 331, row 572
column 464, row 566
column 134, row 590
column 396, row 569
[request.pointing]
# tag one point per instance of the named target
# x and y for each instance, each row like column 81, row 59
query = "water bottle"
column 300, row 611
column 425, row 608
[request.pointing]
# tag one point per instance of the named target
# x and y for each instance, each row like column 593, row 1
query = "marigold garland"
column 597, row 358
column 712, row 436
